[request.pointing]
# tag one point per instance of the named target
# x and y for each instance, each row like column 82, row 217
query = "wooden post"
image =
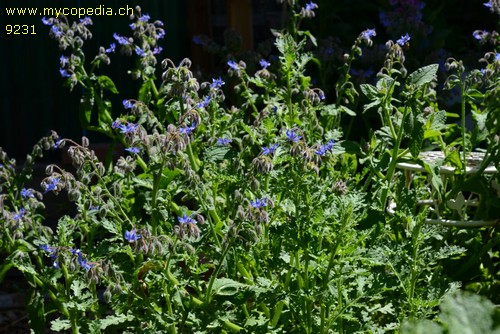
column 239, row 18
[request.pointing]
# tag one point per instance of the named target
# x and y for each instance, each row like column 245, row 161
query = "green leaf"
column 288, row 206
column 111, row 320
column 105, row 82
column 59, row 325
column 423, row 75
column 370, row 91
column 416, row 139
column 469, row 314
column 144, row 92
column 85, row 110
column 36, row 311
column 219, row 153
column 111, row 227
column 226, row 287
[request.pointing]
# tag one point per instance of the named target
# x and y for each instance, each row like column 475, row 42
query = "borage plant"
column 243, row 217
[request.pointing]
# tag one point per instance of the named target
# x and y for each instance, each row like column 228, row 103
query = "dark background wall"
column 33, row 100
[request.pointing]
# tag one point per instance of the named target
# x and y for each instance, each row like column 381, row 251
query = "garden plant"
column 242, row 204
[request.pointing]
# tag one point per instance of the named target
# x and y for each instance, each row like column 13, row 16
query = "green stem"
column 464, row 148
column 394, row 160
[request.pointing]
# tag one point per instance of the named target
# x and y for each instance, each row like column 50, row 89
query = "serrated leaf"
column 416, row 139
column 288, row 206
column 111, row 227
column 219, row 153
column 423, row 75
column 111, row 320
column 59, row 325
column 105, row 82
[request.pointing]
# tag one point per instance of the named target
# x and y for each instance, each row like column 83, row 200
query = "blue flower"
column 132, row 236
column 223, row 141
column 497, row 56
column 188, row 129
column 48, row 249
column 46, row 21
column 85, row 265
column 479, row 35
column 120, row 39
column 132, row 26
column 86, row 21
column 204, row 103
column 94, row 207
column 488, row 4
column 20, row 214
column 144, row 18
column 133, row 150
column 265, row 64
column 160, row 34
column 217, row 83
column 259, row 203
column 27, row 193
column 64, row 73
column 63, row 60
column 52, row 185
column 56, row 31
column 292, row 136
column 129, row 128
column 127, row 104
column 311, row 6
column 112, row 48
column 57, row 143
column 269, row 150
column 186, row 220
column 368, row 34
column 140, row 52
column 52, row 253
column 321, row 151
column 157, row 50
column 404, row 39
column 233, row 65
column 330, row 144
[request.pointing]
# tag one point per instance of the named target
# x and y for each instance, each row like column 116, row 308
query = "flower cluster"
column 188, row 226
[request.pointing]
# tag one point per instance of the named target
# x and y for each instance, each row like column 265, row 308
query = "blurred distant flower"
column 223, row 141
column 204, row 103
column 20, row 214
column 133, row 150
